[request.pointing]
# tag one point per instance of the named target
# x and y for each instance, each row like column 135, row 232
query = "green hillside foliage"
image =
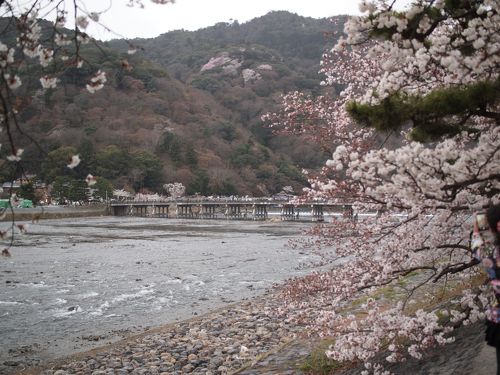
column 168, row 120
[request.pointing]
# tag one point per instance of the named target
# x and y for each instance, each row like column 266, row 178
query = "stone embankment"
column 54, row 212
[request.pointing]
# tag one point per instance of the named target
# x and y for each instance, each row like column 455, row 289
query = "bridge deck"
column 236, row 210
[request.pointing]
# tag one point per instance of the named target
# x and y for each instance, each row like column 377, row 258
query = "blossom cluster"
column 413, row 202
column 403, row 254
column 429, row 45
column 175, row 189
column 323, row 118
column 416, row 175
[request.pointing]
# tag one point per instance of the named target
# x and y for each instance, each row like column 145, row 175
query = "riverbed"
column 74, row 284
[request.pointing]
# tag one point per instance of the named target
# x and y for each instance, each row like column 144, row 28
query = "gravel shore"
column 243, row 339
column 217, row 343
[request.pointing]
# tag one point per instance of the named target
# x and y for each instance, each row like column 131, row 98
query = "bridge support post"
column 348, row 212
column 208, row 211
column 259, row 212
column 185, row 211
column 288, row 212
column 233, row 211
column 317, row 212
column 163, row 211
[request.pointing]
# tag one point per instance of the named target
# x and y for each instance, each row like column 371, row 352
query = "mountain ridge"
column 198, row 124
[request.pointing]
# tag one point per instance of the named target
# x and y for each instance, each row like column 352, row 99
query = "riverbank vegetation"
column 423, row 77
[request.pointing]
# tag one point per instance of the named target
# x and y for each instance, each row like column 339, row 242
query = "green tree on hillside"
column 71, row 189
column 86, row 150
column 190, row 157
column 60, row 188
column 27, row 191
column 171, row 145
column 103, row 188
column 147, row 169
column 56, row 164
column 112, row 162
column 78, row 190
column 200, row 184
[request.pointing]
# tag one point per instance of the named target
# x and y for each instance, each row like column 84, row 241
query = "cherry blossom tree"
column 429, row 76
column 175, row 189
column 39, row 41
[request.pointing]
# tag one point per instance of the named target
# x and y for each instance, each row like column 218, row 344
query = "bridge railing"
column 247, row 201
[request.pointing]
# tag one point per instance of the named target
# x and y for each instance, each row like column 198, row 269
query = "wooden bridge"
column 236, row 210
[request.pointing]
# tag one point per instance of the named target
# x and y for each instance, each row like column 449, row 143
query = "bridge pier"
column 160, row 211
column 347, row 212
column 233, row 211
column 288, row 212
column 184, row 211
column 141, row 211
column 209, row 211
column 119, row 210
column 164, row 211
column 317, row 212
column 259, row 212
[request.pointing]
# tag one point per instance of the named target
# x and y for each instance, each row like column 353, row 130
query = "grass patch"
column 317, row 363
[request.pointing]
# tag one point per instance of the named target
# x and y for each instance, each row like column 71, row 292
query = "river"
column 73, row 284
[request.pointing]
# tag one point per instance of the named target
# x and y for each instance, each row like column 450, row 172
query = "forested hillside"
column 186, row 107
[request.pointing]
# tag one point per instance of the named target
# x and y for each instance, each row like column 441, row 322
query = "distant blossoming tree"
column 429, row 74
column 175, row 189
column 33, row 56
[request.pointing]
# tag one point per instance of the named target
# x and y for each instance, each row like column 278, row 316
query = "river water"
column 74, row 284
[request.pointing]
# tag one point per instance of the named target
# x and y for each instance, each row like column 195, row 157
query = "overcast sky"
column 155, row 19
